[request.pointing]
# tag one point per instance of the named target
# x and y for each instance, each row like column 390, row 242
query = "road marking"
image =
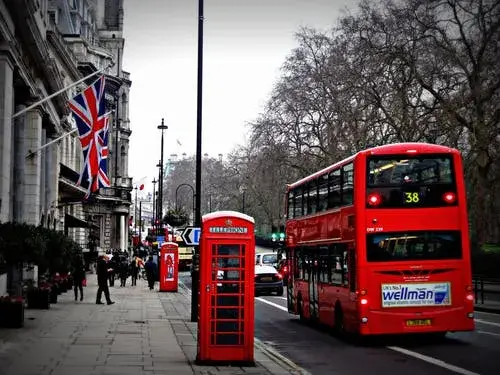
column 488, row 333
column 487, row 322
column 279, row 297
column 272, row 304
column 431, row 360
column 422, row 357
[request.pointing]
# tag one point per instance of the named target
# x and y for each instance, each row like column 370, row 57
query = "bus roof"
column 390, row 149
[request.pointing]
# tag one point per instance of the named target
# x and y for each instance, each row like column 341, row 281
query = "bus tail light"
column 469, row 296
column 374, row 199
column 279, row 276
column 449, row 197
column 363, row 293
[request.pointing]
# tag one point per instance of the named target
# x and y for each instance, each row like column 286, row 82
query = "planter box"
column 53, row 294
column 11, row 314
column 38, row 299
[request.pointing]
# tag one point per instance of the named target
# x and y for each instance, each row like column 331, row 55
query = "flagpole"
column 60, row 91
column 31, row 153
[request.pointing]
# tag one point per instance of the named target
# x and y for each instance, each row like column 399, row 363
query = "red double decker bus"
column 379, row 243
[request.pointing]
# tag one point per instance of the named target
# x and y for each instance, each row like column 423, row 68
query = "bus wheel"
column 338, row 325
column 280, row 292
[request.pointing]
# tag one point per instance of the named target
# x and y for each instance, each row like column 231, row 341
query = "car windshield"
column 270, row 259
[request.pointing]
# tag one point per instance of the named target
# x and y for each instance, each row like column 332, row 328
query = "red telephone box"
column 169, row 267
column 226, row 298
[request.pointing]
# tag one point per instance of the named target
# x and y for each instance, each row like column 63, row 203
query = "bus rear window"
column 410, row 182
column 413, row 246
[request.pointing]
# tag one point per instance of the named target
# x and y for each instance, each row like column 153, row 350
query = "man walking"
column 102, row 281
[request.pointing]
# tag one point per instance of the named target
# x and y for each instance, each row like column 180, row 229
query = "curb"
column 491, row 310
column 278, row 359
column 266, row 350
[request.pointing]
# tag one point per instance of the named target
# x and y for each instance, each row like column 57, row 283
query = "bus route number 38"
column 412, row 197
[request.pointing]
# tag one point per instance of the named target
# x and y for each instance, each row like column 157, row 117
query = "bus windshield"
column 413, row 246
column 411, row 182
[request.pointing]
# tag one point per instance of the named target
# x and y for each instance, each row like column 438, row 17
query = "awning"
column 71, row 221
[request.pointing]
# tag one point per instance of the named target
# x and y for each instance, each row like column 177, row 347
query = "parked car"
column 268, row 280
column 268, row 259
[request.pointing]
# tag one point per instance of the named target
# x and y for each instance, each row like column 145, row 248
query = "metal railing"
column 486, row 289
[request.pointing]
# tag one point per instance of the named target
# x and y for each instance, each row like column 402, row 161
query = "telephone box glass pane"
column 229, row 250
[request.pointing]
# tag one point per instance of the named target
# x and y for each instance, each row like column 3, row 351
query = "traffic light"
column 273, row 237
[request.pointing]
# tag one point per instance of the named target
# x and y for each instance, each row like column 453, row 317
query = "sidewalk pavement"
column 144, row 332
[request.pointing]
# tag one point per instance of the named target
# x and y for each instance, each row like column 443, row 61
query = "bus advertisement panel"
column 378, row 243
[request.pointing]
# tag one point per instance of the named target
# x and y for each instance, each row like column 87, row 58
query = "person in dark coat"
column 78, row 277
column 102, row 281
column 123, row 272
column 150, row 268
column 134, row 270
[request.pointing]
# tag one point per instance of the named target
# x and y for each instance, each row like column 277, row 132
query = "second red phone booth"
column 226, row 299
column 169, row 267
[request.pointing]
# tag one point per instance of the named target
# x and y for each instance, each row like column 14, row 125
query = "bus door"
column 312, row 259
column 291, row 254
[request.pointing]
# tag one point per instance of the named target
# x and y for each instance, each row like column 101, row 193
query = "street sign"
column 191, row 236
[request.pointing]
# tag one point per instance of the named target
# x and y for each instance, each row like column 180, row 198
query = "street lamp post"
column 158, row 192
column 195, row 275
column 154, row 192
column 140, row 221
column 162, row 127
column 135, row 212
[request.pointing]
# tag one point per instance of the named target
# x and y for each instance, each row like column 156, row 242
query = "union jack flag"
column 88, row 108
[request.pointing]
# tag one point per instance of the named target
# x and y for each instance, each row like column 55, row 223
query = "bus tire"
column 338, row 324
column 280, row 291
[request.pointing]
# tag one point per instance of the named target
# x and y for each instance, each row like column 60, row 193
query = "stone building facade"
column 45, row 46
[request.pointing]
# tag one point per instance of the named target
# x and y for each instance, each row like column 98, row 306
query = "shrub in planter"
column 11, row 312
column 54, row 291
column 38, row 297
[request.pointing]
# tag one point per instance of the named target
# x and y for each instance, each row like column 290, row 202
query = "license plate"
column 418, row 322
column 266, row 279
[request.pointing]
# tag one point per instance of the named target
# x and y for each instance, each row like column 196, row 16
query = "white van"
column 268, row 259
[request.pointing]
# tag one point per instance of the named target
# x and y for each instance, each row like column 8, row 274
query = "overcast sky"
column 245, row 44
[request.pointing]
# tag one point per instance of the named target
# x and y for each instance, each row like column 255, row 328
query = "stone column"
column 125, row 234
column 6, row 107
column 123, row 242
column 43, row 181
column 20, row 152
column 33, row 167
column 52, row 178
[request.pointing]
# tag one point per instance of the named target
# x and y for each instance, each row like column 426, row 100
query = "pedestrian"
column 78, row 277
column 150, row 268
column 102, row 281
column 123, row 272
column 134, row 270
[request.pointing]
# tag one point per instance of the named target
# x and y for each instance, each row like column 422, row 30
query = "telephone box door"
column 169, row 267
column 227, row 261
